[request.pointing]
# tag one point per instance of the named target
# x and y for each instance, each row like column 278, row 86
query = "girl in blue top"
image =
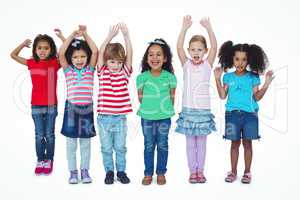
column 242, row 89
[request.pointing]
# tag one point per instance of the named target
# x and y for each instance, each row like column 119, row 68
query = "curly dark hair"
column 77, row 44
column 257, row 58
column 167, row 54
column 47, row 38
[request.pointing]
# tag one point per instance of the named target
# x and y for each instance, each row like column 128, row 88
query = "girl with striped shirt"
column 114, row 70
column 78, row 59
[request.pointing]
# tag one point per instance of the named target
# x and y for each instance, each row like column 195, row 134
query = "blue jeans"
column 44, row 122
column 155, row 134
column 113, row 132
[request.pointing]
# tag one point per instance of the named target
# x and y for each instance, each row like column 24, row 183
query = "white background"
column 274, row 25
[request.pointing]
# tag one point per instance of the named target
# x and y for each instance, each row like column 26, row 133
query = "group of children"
column 156, row 86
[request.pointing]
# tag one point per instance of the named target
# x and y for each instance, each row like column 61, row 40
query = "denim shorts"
column 195, row 122
column 241, row 125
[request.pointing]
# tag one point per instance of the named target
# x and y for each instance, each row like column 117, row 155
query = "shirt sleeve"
column 100, row 70
column 140, row 81
column 255, row 80
column 173, row 81
column 226, row 79
column 67, row 69
column 127, row 70
column 29, row 63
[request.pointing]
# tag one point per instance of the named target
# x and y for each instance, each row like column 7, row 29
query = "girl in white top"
column 196, row 121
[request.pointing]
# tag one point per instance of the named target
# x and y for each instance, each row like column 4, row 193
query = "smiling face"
column 197, row 50
column 114, row 65
column 43, row 49
column 240, row 61
column 156, row 57
column 79, row 58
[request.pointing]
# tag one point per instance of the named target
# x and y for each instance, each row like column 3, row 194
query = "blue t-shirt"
column 240, row 91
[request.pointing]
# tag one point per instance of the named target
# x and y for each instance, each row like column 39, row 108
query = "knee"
column 162, row 145
column 247, row 144
column 50, row 137
column 235, row 145
column 106, row 149
column 149, row 147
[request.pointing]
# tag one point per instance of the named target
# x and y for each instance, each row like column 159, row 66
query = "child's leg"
column 85, row 153
column 234, row 155
column 149, row 145
column 201, row 152
column 120, row 144
column 71, row 153
column 49, row 131
column 106, row 140
column 191, row 151
column 39, row 124
column 162, row 131
column 247, row 154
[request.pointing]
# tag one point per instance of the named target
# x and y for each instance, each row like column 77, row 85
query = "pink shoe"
column 193, row 178
column 246, row 179
column 39, row 169
column 48, row 167
column 230, row 178
column 201, row 178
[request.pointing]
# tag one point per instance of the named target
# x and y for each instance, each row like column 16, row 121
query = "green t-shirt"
column 156, row 102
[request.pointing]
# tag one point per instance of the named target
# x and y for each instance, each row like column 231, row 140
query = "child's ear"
column 165, row 59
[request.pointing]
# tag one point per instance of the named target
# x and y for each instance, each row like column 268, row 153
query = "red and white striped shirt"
column 113, row 97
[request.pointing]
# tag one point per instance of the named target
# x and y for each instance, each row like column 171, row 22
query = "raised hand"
column 123, row 28
column 26, row 43
column 114, row 30
column 269, row 77
column 187, row 22
column 82, row 29
column 58, row 32
column 205, row 22
column 218, row 72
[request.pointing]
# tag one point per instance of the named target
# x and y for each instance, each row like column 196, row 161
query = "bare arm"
column 213, row 41
column 59, row 34
column 222, row 89
column 172, row 93
column 112, row 33
column 62, row 58
column 128, row 46
column 187, row 22
column 15, row 53
column 259, row 93
column 140, row 95
column 91, row 44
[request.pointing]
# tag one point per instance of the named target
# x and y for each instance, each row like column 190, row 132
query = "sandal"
column 246, row 179
column 231, row 177
column 161, row 180
column 201, row 178
column 193, row 178
column 147, row 180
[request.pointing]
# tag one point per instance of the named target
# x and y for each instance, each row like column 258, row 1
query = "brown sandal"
column 161, row 180
column 147, row 180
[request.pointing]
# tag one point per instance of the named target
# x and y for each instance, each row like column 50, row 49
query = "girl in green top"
column 156, row 90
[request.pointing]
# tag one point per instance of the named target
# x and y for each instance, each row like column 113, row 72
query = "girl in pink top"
column 196, row 121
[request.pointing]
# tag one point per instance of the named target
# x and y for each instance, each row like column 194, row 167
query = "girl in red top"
column 43, row 67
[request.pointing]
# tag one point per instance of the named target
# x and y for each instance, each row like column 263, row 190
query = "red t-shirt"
column 44, row 80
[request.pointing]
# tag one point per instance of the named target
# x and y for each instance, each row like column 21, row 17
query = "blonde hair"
column 114, row 51
column 198, row 38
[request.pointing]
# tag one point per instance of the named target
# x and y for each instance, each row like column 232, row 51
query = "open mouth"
column 155, row 63
column 196, row 58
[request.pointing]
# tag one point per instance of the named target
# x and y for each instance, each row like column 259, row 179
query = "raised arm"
column 61, row 55
column 91, row 44
column 128, row 45
column 15, row 53
column 113, row 31
column 259, row 93
column 222, row 89
column 213, row 41
column 187, row 22
column 59, row 34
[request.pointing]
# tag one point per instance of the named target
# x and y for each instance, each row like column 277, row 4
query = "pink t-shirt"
column 196, row 85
